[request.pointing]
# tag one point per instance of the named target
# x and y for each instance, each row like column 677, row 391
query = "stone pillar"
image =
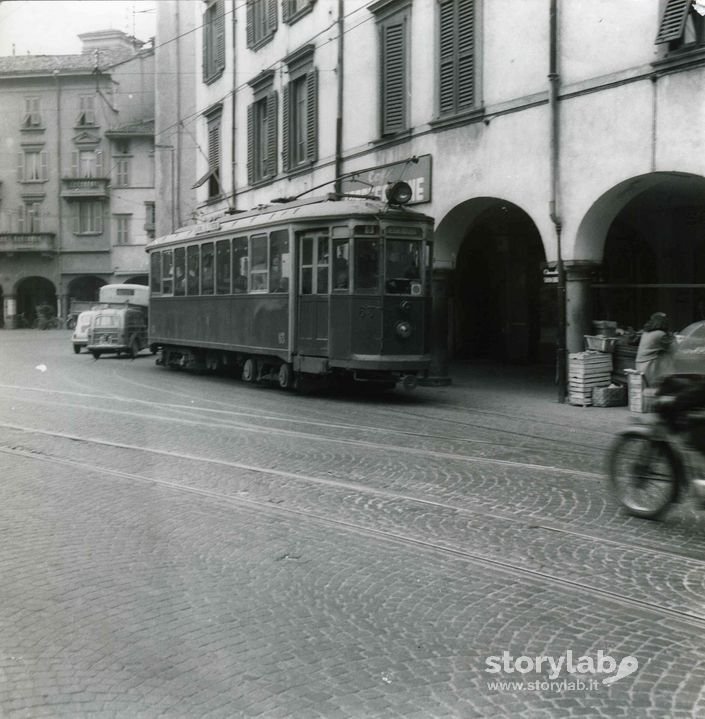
column 439, row 328
column 579, row 275
column 9, row 311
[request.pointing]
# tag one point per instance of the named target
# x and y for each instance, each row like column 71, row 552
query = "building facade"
column 555, row 143
column 76, row 167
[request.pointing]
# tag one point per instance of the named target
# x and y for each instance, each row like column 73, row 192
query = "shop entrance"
column 33, row 292
column 501, row 310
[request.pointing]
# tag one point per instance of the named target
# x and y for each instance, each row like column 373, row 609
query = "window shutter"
column 20, row 167
column 250, row 24
column 271, row 16
column 466, row 54
column 393, row 77
column 206, row 42
column 446, row 80
column 20, row 219
column 76, row 218
column 99, row 163
column 312, row 116
column 74, row 163
column 272, row 134
column 286, row 127
column 44, row 165
column 220, row 37
column 675, row 13
column 286, row 12
column 214, row 146
column 98, row 208
column 251, row 144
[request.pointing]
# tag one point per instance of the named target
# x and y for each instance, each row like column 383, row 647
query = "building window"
column 393, row 21
column 33, row 166
column 213, row 41
column 86, row 163
column 261, row 22
column 88, row 218
column 456, row 62
column 122, row 147
column 122, row 229
column 682, row 25
column 32, row 117
column 292, row 10
column 262, row 131
column 28, row 217
column 122, row 172
column 86, row 113
column 150, row 218
column 300, row 112
column 212, row 174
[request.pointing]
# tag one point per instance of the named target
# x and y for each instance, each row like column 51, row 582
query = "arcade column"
column 9, row 311
column 579, row 276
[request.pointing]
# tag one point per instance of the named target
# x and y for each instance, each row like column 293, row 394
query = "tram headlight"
column 403, row 329
column 399, row 193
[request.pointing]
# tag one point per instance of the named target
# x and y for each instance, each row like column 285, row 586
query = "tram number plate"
column 368, row 311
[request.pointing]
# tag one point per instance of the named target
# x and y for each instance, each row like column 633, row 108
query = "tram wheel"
column 248, row 370
column 284, row 377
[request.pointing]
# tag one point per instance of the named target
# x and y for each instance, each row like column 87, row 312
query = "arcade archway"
column 84, row 288
column 32, row 292
column 137, row 280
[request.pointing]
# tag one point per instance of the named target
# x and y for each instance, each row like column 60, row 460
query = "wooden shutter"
column 466, row 54
column 271, row 16
column 44, row 165
column 272, row 134
column 77, row 218
column 286, row 127
column 74, row 163
column 219, row 36
column 214, row 145
column 312, row 116
column 250, row 23
column 206, row 43
column 99, row 163
column 447, row 59
column 393, row 68
column 20, row 167
column 286, row 12
column 675, row 13
column 251, row 143
column 21, row 218
column 99, row 216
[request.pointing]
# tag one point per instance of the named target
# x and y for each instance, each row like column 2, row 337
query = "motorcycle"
column 654, row 463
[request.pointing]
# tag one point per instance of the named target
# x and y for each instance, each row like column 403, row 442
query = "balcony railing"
column 81, row 187
column 27, row 242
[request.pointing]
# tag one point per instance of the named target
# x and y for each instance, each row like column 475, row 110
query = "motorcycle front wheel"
column 643, row 473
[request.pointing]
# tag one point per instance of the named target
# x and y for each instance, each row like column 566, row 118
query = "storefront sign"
column 374, row 181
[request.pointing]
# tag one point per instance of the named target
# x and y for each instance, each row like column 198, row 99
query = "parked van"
column 81, row 329
column 114, row 331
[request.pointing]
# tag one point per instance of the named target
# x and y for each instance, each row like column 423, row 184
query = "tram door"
column 314, row 279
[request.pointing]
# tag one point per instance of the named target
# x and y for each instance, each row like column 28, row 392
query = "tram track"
column 506, row 567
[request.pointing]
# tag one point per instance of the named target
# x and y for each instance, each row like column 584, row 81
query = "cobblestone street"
column 183, row 545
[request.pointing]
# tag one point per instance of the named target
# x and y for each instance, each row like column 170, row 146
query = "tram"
column 331, row 288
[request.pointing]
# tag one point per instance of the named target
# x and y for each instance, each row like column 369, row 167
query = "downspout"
column 62, row 310
column 554, row 202
column 176, row 207
column 233, row 177
column 339, row 113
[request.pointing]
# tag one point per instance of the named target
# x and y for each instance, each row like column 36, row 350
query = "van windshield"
column 105, row 321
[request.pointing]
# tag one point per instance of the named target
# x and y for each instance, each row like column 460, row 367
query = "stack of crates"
column 641, row 398
column 587, row 370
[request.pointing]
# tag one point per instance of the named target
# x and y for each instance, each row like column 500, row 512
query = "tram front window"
column 403, row 267
column 366, row 264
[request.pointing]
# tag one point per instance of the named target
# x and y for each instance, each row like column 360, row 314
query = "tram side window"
column 258, row 263
column 222, row 267
column 167, row 272
column 240, row 265
column 366, row 264
column 322, row 264
column 155, row 267
column 279, row 264
column 403, row 267
column 180, row 271
column 341, row 265
column 306, row 265
column 207, row 268
column 193, row 256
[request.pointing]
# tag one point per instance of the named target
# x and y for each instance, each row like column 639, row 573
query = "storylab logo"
column 564, row 673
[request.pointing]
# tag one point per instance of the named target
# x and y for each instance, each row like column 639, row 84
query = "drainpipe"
column 177, row 151
column 339, row 114
column 554, row 206
column 233, row 176
column 62, row 309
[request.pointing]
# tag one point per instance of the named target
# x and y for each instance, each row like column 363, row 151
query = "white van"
column 81, row 330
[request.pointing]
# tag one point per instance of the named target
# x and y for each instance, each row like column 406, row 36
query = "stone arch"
column 497, row 299
column 31, row 292
column 84, row 288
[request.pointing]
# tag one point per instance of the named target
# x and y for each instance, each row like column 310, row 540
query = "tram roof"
column 311, row 209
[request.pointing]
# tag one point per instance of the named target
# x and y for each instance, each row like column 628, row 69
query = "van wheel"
column 77, row 349
column 95, row 354
column 284, row 377
column 134, row 349
column 248, row 370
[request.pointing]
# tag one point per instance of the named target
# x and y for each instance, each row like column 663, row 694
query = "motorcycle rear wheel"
column 643, row 473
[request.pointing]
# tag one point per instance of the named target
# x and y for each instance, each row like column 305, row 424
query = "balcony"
column 11, row 242
column 81, row 188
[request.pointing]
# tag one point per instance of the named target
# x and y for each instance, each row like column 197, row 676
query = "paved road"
column 184, row 545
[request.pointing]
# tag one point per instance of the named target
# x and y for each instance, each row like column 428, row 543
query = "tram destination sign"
column 374, row 181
